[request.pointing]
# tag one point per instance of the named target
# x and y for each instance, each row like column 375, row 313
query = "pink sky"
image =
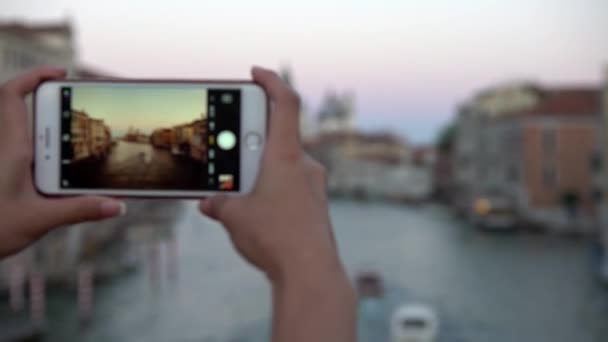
column 409, row 62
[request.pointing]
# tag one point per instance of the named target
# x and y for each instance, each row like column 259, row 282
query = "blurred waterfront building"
column 530, row 147
column 198, row 144
column 186, row 140
column 443, row 171
column 136, row 136
column 90, row 137
column 162, row 138
column 601, row 181
column 369, row 166
column 23, row 46
column 27, row 45
column 475, row 149
column 105, row 246
column 100, row 138
column 560, row 137
column 183, row 137
column 80, row 135
column 337, row 113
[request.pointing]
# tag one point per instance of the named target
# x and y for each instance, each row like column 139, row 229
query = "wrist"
column 327, row 288
column 312, row 272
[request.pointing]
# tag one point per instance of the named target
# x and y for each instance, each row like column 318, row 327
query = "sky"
column 144, row 109
column 409, row 63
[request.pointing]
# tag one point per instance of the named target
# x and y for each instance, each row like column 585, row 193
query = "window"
column 8, row 58
column 482, row 172
column 15, row 59
column 464, row 161
column 597, row 195
column 596, row 162
column 549, row 176
column 512, row 174
column 549, row 140
column 26, row 61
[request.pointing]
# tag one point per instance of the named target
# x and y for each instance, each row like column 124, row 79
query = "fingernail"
column 113, row 208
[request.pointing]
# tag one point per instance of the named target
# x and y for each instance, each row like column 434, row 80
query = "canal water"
column 137, row 165
column 484, row 287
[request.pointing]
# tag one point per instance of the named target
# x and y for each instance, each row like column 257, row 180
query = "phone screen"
column 150, row 137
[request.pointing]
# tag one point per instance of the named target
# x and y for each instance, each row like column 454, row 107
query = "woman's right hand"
column 283, row 225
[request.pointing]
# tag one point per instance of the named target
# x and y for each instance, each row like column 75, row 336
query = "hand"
column 26, row 216
column 283, row 225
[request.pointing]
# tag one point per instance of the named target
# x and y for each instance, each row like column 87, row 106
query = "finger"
column 47, row 214
column 318, row 182
column 25, row 84
column 14, row 112
column 318, row 177
column 284, row 116
column 213, row 207
column 14, row 128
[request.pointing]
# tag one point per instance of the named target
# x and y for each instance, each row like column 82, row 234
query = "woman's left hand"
column 25, row 215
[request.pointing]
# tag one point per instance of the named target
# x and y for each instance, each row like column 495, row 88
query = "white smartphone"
column 179, row 139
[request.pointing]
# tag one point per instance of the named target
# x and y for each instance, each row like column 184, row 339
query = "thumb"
column 47, row 214
column 216, row 207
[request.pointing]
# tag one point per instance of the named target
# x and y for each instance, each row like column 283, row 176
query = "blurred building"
column 373, row 166
column 186, row 140
column 198, row 144
column 80, row 135
column 90, row 137
column 103, row 245
column 100, row 138
column 443, row 171
column 560, row 136
column 136, row 136
column 337, row 113
column 162, row 138
column 24, row 45
column 27, row 45
column 480, row 149
column 183, row 137
column 600, row 164
column 530, row 147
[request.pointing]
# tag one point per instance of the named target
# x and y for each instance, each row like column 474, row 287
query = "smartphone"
column 177, row 139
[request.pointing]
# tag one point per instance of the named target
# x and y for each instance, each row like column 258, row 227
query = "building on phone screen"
column 162, row 138
column 90, row 137
column 198, row 148
column 80, row 135
column 601, row 181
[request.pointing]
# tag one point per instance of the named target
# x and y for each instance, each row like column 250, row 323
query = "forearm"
column 318, row 305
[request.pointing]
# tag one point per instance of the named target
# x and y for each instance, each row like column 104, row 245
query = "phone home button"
column 253, row 141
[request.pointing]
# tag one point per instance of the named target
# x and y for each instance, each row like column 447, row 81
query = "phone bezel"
column 254, row 116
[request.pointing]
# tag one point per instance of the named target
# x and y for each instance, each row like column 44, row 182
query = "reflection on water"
column 484, row 287
column 124, row 151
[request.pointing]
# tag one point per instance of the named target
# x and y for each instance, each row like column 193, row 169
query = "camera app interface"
column 156, row 137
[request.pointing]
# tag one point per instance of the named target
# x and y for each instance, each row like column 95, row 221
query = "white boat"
column 414, row 323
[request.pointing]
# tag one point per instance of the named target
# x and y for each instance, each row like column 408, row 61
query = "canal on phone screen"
column 484, row 287
column 136, row 165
